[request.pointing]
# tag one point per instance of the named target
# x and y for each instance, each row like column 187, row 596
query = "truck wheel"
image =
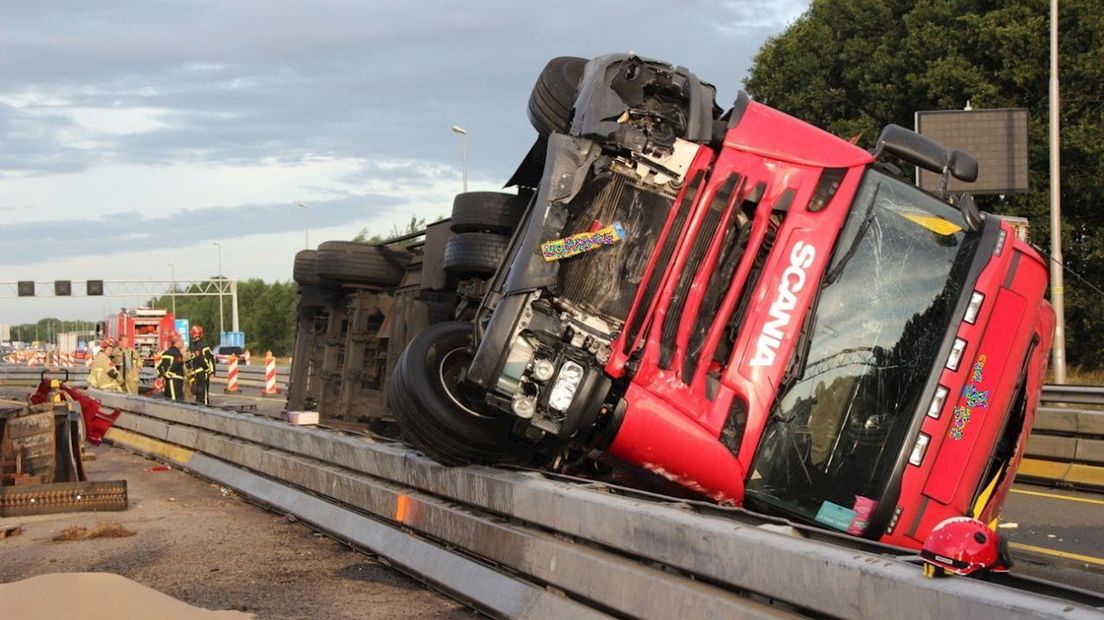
column 361, row 263
column 434, row 411
column 475, row 254
column 553, row 98
column 495, row 212
column 305, row 271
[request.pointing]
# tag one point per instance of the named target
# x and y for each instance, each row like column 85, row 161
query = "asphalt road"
column 1056, row 534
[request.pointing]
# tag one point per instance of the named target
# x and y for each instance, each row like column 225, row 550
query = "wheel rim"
column 449, row 370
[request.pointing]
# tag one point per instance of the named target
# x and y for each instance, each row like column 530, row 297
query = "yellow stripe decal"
column 1086, row 500
column 1088, row 559
column 151, row 446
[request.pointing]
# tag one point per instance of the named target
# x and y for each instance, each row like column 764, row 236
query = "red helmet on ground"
column 962, row 546
column 196, row 332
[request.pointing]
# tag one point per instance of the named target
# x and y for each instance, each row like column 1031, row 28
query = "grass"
column 1080, row 376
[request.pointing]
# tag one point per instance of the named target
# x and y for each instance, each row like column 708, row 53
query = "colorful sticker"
column 975, row 399
column 959, row 419
column 582, row 242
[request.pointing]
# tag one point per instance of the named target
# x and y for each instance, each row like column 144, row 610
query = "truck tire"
column 350, row 262
column 305, row 271
column 437, row 416
column 475, row 254
column 495, row 212
column 553, row 98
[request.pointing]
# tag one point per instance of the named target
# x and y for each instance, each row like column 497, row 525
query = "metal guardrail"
column 1066, row 446
column 605, row 552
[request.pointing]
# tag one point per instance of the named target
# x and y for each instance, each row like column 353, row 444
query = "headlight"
column 563, row 391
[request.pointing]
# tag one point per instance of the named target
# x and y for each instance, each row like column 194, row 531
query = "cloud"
column 28, row 242
column 179, row 110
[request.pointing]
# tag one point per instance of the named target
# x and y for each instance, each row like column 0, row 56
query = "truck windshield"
column 884, row 306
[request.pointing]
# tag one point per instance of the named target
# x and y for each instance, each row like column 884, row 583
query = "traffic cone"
column 270, row 375
column 232, row 376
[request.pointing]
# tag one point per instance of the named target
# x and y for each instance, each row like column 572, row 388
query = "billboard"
column 182, row 329
column 996, row 138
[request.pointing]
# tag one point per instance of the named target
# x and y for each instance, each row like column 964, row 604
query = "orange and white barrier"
column 270, row 375
column 41, row 358
column 232, row 376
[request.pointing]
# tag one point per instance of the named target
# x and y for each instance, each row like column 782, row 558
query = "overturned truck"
column 743, row 304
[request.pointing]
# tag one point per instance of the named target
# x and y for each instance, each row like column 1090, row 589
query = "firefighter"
column 171, row 369
column 132, row 369
column 202, row 365
column 102, row 374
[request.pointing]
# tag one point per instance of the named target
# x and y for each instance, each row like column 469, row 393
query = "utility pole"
column 221, row 282
column 1057, row 291
column 464, row 151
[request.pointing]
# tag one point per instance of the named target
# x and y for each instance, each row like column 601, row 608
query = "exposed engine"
column 605, row 196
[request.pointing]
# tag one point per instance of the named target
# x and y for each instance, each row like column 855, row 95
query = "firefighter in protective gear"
column 171, row 369
column 131, row 364
column 201, row 364
column 102, row 374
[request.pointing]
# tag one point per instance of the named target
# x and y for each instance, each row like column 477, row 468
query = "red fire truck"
column 147, row 330
column 747, row 305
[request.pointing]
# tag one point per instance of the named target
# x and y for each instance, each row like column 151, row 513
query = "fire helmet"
column 108, row 342
column 196, row 332
column 962, row 545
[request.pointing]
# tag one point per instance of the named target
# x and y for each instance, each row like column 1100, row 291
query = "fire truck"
column 146, row 330
column 746, row 305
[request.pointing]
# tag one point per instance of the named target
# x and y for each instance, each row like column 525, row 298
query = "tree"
column 853, row 66
column 266, row 314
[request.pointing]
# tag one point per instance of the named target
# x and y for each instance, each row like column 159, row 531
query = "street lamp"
column 1057, row 292
column 220, row 283
column 464, row 150
column 306, row 231
column 172, row 294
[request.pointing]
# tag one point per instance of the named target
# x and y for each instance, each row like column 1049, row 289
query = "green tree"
column 266, row 313
column 853, row 66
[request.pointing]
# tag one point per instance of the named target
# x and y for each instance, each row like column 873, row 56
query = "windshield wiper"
column 868, row 219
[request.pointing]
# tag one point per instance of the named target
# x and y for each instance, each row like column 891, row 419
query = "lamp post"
column 1057, row 292
column 172, row 293
column 464, row 150
column 220, row 282
column 306, row 231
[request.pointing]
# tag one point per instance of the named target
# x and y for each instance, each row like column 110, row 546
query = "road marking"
column 1088, row 559
column 1086, row 500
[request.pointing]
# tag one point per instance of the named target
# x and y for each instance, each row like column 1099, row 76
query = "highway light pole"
column 221, row 280
column 1057, row 291
column 306, row 231
column 464, row 150
column 172, row 294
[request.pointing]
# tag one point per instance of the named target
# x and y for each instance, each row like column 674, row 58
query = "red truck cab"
column 868, row 363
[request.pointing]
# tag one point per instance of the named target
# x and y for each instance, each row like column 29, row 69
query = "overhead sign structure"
column 996, row 138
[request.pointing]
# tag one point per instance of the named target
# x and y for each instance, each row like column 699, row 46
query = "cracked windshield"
column 856, row 378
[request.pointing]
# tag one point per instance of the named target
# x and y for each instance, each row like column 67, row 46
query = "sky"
column 136, row 134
